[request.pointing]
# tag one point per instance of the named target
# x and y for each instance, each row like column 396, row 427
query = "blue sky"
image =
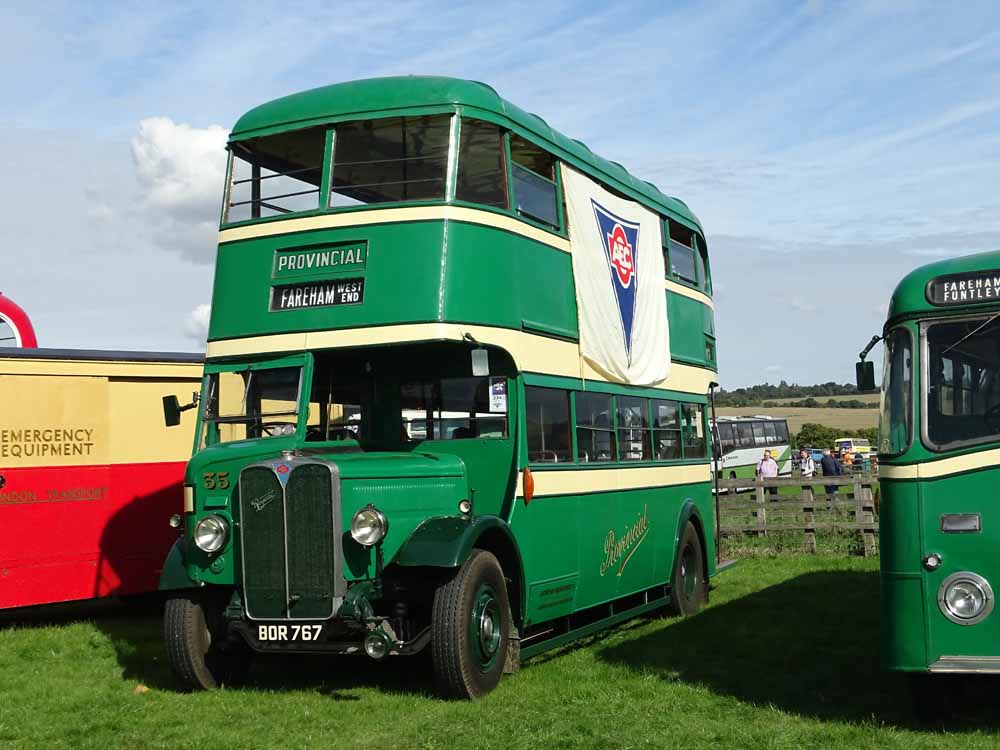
column 828, row 147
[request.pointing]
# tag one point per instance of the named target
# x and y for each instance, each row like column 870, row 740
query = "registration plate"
column 288, row 633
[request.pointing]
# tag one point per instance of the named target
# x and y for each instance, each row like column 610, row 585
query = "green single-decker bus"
column 938, row 451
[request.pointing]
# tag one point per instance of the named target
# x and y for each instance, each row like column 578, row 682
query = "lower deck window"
column 549, row 436
column 634, row 442
column 666, row 430
column 454, row 409
column 693, row 420
column 595, row 435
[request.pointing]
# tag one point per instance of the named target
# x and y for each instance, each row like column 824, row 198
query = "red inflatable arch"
column 15, row 325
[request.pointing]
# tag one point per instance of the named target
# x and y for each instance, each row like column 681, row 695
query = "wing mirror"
column 172, row 409
column 864, row 371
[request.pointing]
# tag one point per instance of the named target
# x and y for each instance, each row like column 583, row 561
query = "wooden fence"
column 756, row 507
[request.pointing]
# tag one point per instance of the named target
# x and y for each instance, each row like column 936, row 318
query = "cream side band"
column 91, row 368
column 942, row 467
column 423, row 213
column 609, row 480
column 531, row 353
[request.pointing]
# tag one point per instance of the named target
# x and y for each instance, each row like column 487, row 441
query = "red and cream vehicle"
column 89, row 474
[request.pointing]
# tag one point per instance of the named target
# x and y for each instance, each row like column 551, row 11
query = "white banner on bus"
column 618, row 268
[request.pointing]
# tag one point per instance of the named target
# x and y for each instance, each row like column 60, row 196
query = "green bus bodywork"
column 595, row 543
column 937, row 519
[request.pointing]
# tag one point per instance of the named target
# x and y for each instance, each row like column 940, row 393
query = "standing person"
column 767, row 468
column 830, row 469
column 806, row 465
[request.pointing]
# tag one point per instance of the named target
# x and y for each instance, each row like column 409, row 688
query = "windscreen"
column 896, row 421
column 250, row 403
column 963, row 367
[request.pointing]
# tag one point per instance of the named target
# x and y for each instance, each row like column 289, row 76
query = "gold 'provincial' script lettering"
column 623, row 547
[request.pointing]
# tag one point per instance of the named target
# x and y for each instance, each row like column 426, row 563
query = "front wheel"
column 200, row 654
column 471, row 628
column 689, row 586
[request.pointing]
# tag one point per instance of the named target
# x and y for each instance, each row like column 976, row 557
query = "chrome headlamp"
column 210, row 533
column 965, row 598
column 369, row 526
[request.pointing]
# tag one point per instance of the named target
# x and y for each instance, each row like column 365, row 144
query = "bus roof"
column 402, row 94
column 101, row 355
column 912, row 293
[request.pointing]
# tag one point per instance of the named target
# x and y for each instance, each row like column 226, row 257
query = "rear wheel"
column 471, row 628
column 689, row 586
column 200, row 654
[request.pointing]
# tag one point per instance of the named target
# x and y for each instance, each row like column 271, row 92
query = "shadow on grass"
column 138, row 644
column 808, row 646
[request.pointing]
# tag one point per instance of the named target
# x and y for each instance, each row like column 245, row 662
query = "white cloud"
column 180, row 171
column 196, row 323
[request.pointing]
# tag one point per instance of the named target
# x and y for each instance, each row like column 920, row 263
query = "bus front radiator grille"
column 313, row 541
column 262, row 533
column 291, row 540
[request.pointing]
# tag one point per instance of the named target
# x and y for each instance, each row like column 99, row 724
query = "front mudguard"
column 448, row 541
column 174, row 574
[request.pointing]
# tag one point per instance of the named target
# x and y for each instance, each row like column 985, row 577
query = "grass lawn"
column 785, row 657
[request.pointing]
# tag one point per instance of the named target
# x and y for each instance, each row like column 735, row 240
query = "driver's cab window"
column 251, row 403
column 336, row 408
column 454, row 409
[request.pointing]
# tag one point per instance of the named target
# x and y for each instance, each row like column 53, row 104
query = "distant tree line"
column 755, row 395
column 819, row 436
column 811, row 403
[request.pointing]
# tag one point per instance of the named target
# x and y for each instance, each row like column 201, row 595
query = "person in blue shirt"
column 830, row 469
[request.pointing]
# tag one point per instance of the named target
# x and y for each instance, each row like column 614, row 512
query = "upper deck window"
column 481, row 175
column 275, row 174
column 681, row 253
column 533, row 174
column 390, row 160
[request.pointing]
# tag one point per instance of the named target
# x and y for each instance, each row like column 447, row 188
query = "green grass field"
column 785, row 657
column 849, row 419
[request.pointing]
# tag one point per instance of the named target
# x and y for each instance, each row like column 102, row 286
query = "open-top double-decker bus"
column 455, row 395
column 939, row 449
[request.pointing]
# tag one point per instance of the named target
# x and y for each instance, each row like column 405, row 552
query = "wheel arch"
column 447, row 542
column 689, row 512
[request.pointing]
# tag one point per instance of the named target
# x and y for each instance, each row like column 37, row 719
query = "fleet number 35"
column 288, row 632
column 216, row 480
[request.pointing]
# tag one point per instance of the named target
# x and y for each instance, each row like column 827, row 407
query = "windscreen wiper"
column 972, row 333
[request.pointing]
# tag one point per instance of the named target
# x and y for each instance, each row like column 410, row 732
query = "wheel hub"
column 486, row 623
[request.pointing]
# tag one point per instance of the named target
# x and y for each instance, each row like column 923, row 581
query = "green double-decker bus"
column 455, row 393
column 939, row 449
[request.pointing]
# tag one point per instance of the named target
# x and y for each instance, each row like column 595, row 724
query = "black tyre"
column 689, row 586
column 200, row 654
column 471, row 628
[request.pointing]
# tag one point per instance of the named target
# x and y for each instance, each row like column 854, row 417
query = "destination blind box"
column 964, row 288
column 309, row 294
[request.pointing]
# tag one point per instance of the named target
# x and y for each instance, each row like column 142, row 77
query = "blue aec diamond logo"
column 620, row 238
